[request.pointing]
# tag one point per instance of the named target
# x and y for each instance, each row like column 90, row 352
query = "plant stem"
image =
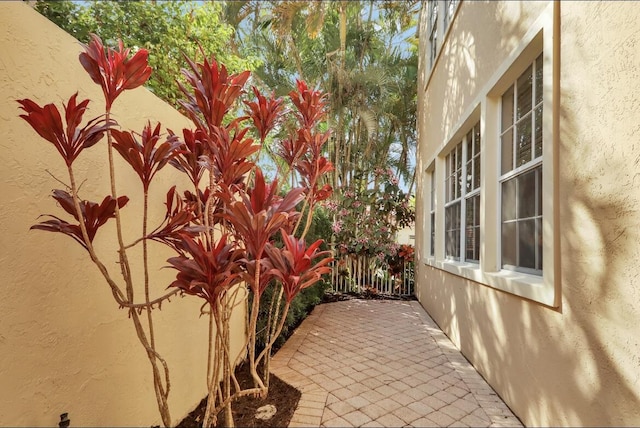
column 145, row 258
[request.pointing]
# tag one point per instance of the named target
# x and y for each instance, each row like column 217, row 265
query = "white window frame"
column 459, row 189
column 433, row 21
column 519, row 168
column 432, row 213
column 542, row 37
column 454, row 196
column 449, row 10
column 473, row 137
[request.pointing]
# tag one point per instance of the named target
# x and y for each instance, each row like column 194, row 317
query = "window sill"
column 467, row 270
column 429, row 261
column 531, row 287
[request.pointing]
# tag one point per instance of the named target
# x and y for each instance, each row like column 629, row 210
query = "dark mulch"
column 330, row 297
column 282, row 395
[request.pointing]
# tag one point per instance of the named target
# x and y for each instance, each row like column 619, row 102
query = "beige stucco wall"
column 64, row 344
column 577, row 364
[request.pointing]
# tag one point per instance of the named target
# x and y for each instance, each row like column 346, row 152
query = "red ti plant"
column 296, row 267
column 223, row 229
column 115, row 71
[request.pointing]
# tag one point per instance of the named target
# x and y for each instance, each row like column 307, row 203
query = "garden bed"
column 282, row 395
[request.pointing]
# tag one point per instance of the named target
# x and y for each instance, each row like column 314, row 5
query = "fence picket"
column 358, row 273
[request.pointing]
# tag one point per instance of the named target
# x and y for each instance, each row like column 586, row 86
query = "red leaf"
column 264, row 112
column 206, row 271
column 294, row 264
column 94, row 215
column 114, row 70
column 145, row 158
column 47, row 122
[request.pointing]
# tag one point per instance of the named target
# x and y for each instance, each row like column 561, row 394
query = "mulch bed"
column 282, row 395
column 330, row 297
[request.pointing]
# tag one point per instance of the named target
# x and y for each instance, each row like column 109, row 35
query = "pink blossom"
column 331, row 205
column 337, row 226
column 357, row 204
column 343, row 212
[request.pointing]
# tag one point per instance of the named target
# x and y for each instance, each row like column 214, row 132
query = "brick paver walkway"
column 383, row 363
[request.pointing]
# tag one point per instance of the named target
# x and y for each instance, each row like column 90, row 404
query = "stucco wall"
column 576, row 364
column 64, row 344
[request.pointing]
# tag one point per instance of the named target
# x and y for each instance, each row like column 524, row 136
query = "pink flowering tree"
column 366, row 219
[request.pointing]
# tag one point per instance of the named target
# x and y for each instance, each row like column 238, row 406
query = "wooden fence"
column 362, row 273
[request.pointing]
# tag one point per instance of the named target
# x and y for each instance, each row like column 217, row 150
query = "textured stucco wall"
column 578, row 364
column 64, row 344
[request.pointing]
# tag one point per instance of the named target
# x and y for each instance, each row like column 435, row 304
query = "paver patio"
column 382, row 363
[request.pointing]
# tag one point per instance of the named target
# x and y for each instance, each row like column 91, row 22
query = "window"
column 433, row 31
column 432, row 245
column 521, row 172
column 449, row 9
column 496, row 169
column 462, row 205
column 472, row 201
column 452, row 208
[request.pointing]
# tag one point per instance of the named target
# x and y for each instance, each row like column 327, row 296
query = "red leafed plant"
column 69, row 142
column 94, row 215
column 223, row 228
column 114, row 70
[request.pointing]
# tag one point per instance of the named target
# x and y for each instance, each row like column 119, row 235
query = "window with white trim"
column 462, row 199
column 452, row 207
column 433, row 31
column 449, row 10
column 432, row 215
column 521, row 172
column 472, row 197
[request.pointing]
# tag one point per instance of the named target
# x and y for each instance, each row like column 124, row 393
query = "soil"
column 282, row 395
column 367, row 294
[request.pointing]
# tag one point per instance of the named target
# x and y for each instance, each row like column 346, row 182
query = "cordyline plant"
column 223, row 229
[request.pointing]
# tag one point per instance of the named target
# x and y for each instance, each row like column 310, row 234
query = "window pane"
column 476, row 172
column 523, row 140
column 539, row 190
column 509, row 200
column 538, row 133
column 539, row 243
column 476, row 218
column 433, row 234
column 507, row 109
column 539, row 89
column 509, row 244
column 527, row 243
column 472, row 244
column 458, row 183
column 470, row 209
column 469, row 178
column 525, row 94
column 456, row 213
column 476, row 139
column 527, row 194
column 507, row 151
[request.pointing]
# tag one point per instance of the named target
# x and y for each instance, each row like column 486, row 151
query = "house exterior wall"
column 570, row 354
column 65, row 346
